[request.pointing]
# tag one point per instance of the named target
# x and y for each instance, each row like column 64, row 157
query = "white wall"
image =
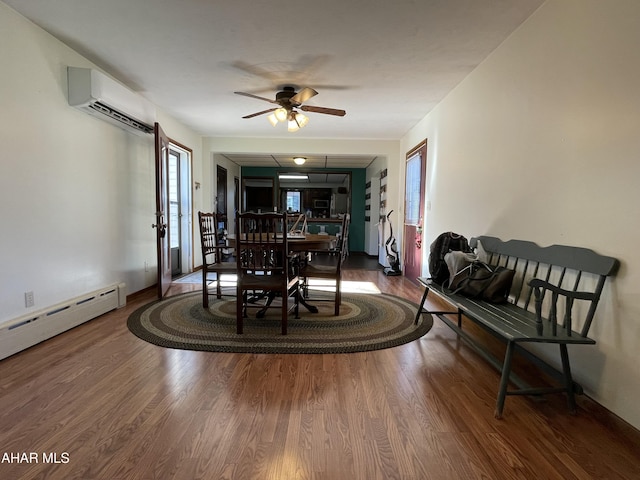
column 541, row 142
column 77, row 196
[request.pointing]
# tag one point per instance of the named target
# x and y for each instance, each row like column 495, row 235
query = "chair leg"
column 285, row 310
column 240, row 299
column 338, row 297
column 218, row 287
column 205, row 288
column 298, row 297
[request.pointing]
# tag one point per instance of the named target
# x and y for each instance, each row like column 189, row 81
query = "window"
column 413, row 190
column 174, row 199
column 293, row 201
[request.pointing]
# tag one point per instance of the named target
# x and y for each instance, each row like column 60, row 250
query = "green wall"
column 358, row 180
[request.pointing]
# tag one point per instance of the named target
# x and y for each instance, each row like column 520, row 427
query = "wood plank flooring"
column 105, row 405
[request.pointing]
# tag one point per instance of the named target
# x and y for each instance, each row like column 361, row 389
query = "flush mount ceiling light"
column 289, row 101
column 299, row 160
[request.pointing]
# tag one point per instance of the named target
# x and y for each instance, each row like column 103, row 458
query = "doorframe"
column 416, row 239
column 174, row 176
column 222, row 198
column 186, row 204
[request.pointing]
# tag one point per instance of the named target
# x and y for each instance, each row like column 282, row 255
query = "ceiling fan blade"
column 328, row 111
column 251, row 95
column 259, row 113
column 303, row 95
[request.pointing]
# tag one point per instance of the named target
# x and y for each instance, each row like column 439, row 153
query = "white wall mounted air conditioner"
column 93, row 92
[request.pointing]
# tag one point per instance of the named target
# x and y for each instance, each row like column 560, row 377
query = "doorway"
column 415, row 176
column 221, row 195
column 258, row 194
column 180, row 211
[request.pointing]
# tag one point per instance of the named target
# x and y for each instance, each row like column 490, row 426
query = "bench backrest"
column 563, row 266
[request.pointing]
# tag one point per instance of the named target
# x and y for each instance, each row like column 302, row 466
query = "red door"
column 162, row 211
column 415, row 176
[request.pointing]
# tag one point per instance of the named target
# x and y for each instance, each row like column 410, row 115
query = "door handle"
column 162, row 229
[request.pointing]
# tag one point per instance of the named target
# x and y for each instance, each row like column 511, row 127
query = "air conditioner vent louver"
column 116, row 115
column 93, row 92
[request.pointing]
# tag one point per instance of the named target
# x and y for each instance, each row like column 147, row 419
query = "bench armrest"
column 540, row 287
column 537, row 283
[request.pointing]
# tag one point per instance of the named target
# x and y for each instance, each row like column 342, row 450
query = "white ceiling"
column 312, row 161
column 387, row 63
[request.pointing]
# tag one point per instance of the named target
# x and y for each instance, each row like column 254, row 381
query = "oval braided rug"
column 366, row 322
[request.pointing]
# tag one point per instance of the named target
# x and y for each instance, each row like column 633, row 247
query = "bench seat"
column 509, row 321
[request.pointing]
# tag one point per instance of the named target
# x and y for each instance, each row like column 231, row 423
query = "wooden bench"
column 553, row 300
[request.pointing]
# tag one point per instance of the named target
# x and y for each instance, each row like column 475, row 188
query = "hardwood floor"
column 110, row 406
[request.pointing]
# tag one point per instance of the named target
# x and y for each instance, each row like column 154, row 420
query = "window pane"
column 412, row 199
column 174, row 199
column 293, row 201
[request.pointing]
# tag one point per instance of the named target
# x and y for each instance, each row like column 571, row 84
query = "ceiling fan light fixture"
column 301, row 119
column 299, row 160
column 281, row 114
column 290, row 101
column 293, row 126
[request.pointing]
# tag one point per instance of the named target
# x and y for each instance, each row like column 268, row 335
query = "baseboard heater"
column 23, row 332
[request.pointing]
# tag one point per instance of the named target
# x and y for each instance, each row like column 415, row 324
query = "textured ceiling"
column 386, row 63
column 312, row 161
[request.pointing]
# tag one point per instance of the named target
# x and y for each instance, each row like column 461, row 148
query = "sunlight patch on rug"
column 228, row 281
column 346, row 286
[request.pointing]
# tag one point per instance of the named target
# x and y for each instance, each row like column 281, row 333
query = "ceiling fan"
column 290, row 102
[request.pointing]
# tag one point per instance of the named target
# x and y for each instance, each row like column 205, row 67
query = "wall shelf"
column 383, row 195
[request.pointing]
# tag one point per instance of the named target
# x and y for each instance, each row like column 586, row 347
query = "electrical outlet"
column 28, row 299
column 146, row 266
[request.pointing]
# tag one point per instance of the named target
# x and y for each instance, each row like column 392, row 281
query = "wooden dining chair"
column 327, row 265
column 264, row 266
column 213, row 254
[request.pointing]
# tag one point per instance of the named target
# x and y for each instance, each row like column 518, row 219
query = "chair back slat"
column 212, row 237
column 263, row 266
column 261, row 245
column 216, row 254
